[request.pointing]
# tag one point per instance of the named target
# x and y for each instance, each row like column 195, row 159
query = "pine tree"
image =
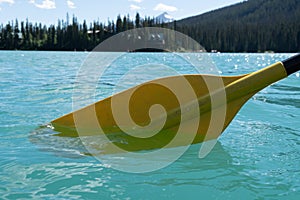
column 137, row 20
column 16, row 35
column 119, row 25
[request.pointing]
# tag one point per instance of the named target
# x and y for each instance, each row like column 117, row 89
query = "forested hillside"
column 250, row 26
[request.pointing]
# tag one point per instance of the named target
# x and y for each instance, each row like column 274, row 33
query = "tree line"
column 67, row 35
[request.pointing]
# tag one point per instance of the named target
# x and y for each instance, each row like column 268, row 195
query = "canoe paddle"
column 151, row 114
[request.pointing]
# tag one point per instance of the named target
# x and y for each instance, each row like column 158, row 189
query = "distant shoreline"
column 267, row 52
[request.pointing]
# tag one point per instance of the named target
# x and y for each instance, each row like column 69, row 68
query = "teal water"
column 257, row 157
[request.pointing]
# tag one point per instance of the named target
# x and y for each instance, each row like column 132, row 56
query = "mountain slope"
column 253, row 25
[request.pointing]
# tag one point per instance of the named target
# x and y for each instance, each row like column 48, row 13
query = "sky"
column 49, row 11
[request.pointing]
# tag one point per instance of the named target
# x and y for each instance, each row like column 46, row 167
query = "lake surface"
column 257, row 157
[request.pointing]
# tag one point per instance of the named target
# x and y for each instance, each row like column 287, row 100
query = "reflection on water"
column 60, row 146
column 75, row 147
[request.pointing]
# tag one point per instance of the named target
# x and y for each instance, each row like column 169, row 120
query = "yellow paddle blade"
column 152, row 114
column 144, row 96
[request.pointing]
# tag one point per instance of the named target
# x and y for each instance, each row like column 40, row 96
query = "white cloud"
column 46, row 4
column 135, row 7
column 71, row 4
column 165, row 8
column 136, row 1
column 7, row 1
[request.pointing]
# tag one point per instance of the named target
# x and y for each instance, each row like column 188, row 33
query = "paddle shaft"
column 292, row 64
